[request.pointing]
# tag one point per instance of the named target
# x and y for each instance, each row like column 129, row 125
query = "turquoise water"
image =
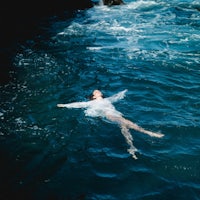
column 150, row 48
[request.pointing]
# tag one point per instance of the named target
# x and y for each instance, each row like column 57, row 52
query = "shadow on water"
column 23, row 148
column 27, row 21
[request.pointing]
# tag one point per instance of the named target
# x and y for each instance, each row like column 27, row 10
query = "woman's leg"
column 125, row 125
column 140, row 129
column 125, row 122
column 125, row 132
column 129, row 139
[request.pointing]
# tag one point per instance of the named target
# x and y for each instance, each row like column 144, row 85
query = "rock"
column 21, row 21
column 112, row 2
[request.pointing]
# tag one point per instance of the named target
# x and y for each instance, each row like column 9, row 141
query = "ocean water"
column 151, row 48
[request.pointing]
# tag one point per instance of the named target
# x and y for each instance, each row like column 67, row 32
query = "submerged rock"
column 112, row 2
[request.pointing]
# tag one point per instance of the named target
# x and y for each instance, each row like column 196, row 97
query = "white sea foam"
column 94, row 48
column 141, row 4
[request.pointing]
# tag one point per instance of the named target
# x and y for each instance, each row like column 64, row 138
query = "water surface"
column 150, row 48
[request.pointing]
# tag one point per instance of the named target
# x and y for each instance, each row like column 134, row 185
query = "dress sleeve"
column 117, row 96
column 74, row 105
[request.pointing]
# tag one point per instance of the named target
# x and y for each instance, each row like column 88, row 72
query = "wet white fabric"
column 99, row 107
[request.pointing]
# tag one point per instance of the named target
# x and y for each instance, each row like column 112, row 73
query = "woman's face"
column 97, row 94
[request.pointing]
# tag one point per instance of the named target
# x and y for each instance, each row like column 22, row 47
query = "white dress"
column 100, row 107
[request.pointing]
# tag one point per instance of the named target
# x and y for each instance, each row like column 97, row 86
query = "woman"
column 103, row 107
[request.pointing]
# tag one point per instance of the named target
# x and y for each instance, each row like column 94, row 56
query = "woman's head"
column 96, row 94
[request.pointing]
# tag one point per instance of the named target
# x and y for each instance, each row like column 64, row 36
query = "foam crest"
column 140, row 4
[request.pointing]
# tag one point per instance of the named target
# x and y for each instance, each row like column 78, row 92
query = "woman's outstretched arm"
column 118, row 96
column 74, row 105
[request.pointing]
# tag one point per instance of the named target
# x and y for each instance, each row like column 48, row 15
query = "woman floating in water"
column 103, row 107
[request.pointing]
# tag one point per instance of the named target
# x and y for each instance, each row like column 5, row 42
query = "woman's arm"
column 117, row 96
column 74, row 105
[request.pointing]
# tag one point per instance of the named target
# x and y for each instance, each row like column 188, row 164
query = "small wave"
column 106, row 175
column 113, row 154
column 143, row 5
column 94, row 48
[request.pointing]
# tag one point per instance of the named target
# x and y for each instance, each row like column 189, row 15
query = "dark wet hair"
column 91, row 97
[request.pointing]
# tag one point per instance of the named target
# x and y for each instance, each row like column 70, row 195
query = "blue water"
column 150, row 48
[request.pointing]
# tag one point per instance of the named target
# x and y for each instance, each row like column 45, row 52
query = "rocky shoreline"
column 20, row 21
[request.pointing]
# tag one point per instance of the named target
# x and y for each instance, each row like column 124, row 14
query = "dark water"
column 150, row 48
